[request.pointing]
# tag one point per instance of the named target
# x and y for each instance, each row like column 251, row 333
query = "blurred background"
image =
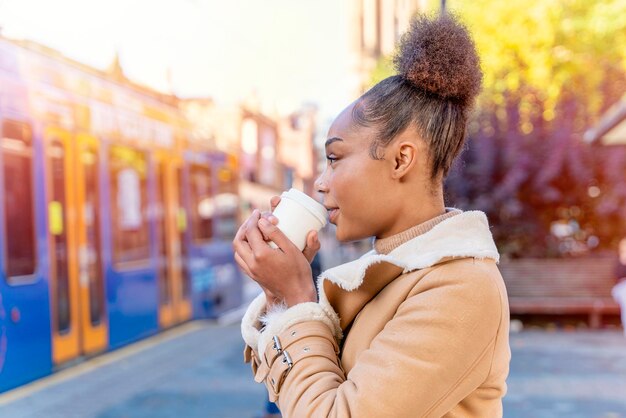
column 137, row 135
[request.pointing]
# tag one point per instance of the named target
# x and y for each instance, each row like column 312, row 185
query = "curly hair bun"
column 438, row 55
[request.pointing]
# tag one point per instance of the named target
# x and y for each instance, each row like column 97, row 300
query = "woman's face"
column 353, row 184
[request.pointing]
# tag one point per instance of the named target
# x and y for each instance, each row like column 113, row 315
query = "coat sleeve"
column 435, row 351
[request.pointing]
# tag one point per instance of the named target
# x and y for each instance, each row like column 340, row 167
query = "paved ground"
column 196, row 371
column 567, row 374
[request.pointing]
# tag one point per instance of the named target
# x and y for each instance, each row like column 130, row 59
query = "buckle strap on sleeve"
column 271, row 354
column 304, row 349
column 307, row 329
column 311, row 331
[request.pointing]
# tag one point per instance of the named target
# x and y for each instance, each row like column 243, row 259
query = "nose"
column 321, row 183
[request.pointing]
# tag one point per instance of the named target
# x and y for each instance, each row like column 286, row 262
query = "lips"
column 332, row 214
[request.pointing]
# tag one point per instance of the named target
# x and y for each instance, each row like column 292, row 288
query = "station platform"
column 196, row 370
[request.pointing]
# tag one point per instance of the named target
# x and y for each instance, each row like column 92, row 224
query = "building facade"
column 276, row 154
column 375, row 28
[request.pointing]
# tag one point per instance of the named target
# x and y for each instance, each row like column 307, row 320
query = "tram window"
column 129, row 202
column 227, row 203
column 58, row 225
column 202, row 204
column 182, row 227
column 164, row 283
column 17, row 158
column 89, row 162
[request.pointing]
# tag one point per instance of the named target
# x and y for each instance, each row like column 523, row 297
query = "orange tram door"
column 174, row 295
column 79, row 325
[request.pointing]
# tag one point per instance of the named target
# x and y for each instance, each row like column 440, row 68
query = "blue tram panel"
column 117, row 230
column 25, row 341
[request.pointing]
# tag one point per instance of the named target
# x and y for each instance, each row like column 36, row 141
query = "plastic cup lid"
column 313, row 206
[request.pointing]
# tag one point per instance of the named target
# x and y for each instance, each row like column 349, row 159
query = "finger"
column 276, row 235
column 242, row 264
column 268, row 215
column 312, row 246
column 240, row 243
column 241, row 232
column 243, row 251
column 274, row 201
column 273, row 219
column 255, row 238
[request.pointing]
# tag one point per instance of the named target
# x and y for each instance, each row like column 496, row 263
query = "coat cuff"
column 278, row 322
column 251, row 321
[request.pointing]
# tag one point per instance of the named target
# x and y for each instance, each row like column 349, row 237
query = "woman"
column 418, row 327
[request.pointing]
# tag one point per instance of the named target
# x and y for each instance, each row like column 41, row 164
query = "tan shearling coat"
column 419, row 332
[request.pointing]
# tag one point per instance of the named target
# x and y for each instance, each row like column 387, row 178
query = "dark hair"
column 438, row 79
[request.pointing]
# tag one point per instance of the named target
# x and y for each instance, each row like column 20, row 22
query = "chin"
column 349, row 236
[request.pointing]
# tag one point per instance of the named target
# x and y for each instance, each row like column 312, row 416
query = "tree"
column 551, row 68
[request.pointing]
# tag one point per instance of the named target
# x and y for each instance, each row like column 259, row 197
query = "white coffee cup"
column 298, row 214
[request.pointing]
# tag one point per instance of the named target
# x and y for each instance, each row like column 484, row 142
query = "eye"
column 331, row 160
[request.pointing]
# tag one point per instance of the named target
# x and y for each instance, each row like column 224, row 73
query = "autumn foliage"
column 551, row 70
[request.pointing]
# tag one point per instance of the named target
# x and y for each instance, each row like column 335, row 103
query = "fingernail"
column 264, row 222
column 273, row 219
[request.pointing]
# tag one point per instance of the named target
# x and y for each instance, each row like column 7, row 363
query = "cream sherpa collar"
column 464, row 235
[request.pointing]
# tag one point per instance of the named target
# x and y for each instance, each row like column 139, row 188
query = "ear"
column 404, row 158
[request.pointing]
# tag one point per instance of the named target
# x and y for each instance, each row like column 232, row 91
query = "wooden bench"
column 561, row 287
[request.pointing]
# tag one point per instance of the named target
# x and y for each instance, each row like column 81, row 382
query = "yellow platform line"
column 100, row 361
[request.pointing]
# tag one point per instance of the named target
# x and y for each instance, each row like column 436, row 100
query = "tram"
column 114, row 222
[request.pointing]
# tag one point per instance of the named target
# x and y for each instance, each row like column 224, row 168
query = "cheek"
column 343, row 184
column 357, row 184
column 358, row 196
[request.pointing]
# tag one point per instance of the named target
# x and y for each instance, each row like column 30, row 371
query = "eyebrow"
column 331, row 140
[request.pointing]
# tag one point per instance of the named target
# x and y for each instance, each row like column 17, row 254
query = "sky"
column 286, row 52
